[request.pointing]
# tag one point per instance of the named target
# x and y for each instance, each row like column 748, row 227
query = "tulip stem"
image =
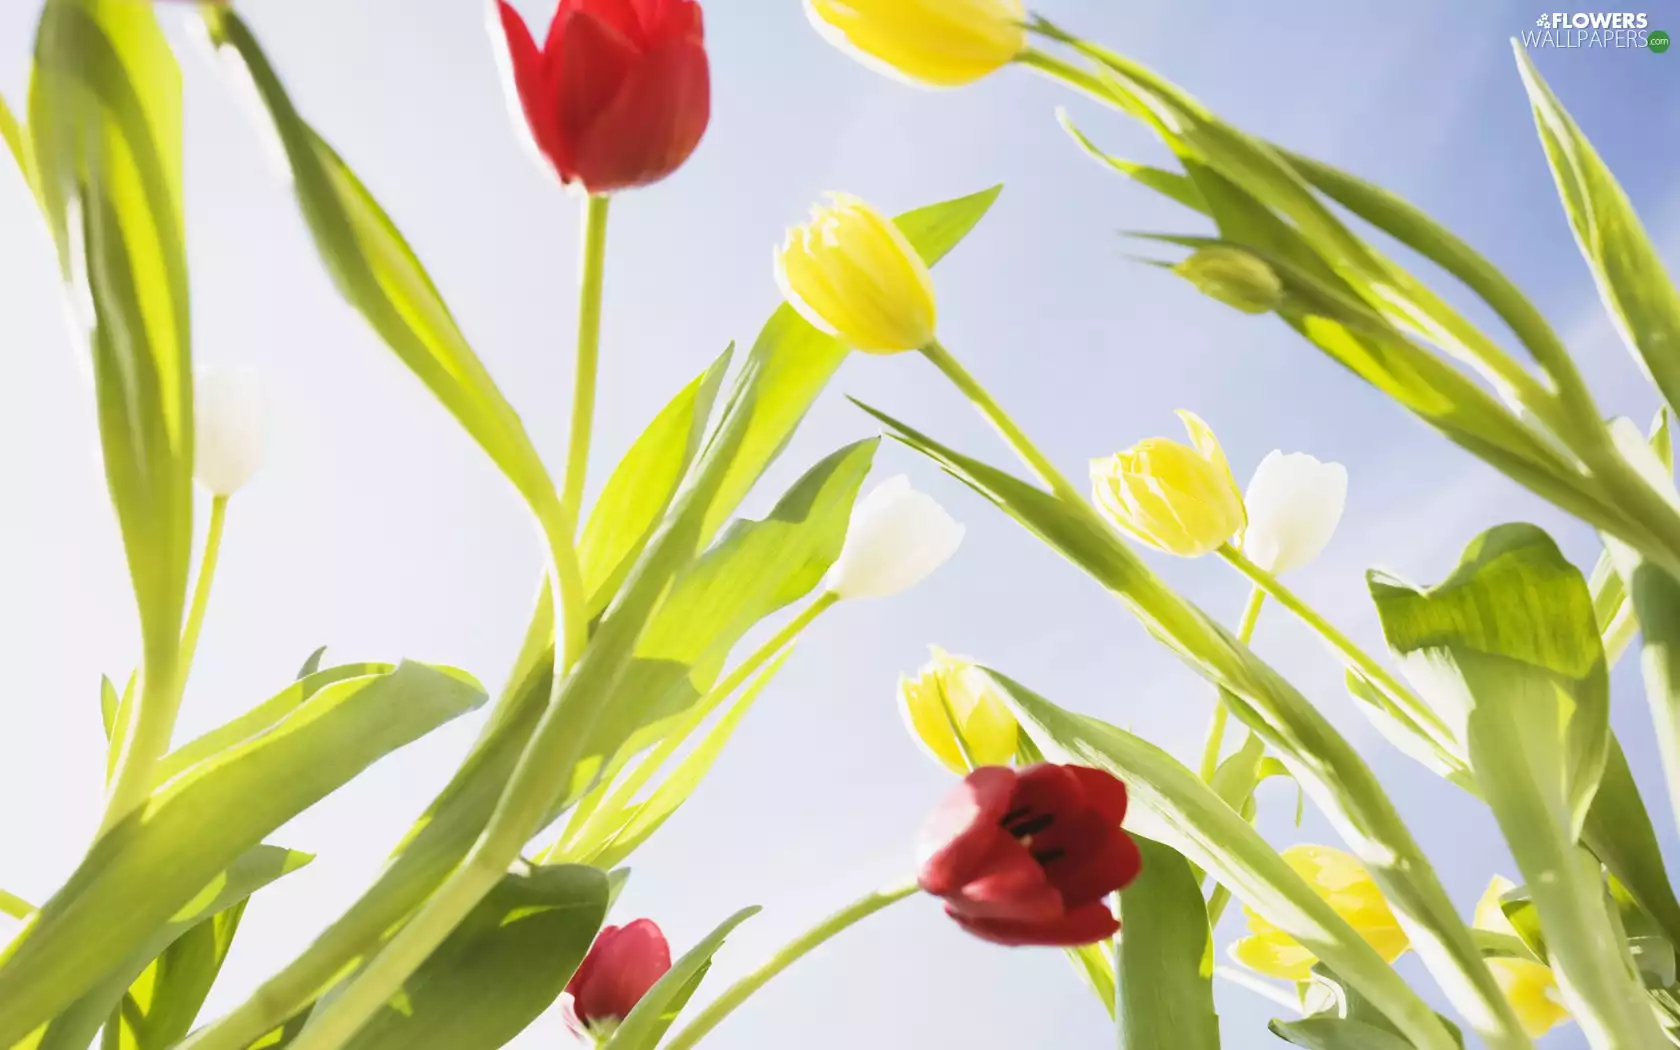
column 994, row 413
column 15, row 906
column 201, row 590
column 1222, row 714
column 737, row 993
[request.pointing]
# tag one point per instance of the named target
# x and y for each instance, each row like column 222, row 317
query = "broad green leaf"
column 105, row 127
column 1655, row 595
column 1632, row 280
column 792, row 362
column 1172, row 806
column 640, row 489
column 652, row 1017
column 158, row 860
column 1507, row 649
column 1166, row 957
column 1620, row 834
column 159, row 988
column 1330, row 997
column 1327, row 767
column 378, row 273
column 1335, row 1033
column 500, row 969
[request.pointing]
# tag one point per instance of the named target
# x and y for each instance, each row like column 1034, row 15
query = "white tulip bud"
column 1294, row 505
column 897, row 537
column 228, row 423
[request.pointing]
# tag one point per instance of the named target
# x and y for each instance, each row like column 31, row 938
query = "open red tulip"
column 621, row 966
column 620, row 93
column 1026, row 858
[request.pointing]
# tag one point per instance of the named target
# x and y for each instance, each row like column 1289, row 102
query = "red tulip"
column 620, row 93
column 621, row 966
column 1027, row 857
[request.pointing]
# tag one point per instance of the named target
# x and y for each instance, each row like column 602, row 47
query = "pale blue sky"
column 378, row 529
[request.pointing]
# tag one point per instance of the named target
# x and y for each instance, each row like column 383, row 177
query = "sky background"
column 378, row 529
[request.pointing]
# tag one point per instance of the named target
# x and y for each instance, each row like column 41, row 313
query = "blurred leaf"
column 1334, row 1033
column 1166, row 957
column 1095, row 963
column 378, row 273
column 640, row 489
column 105, row 126
column 313, row 664
column 108, row 701
column 1171, row 805
column 161, row 981
column 1632, row 281
column 1170, row 184
column 792, row 362
column 501, row 968
column 1620, row 834
column 17, row 144
column 653, row 1015
column 1616, row 621
column 157, row 861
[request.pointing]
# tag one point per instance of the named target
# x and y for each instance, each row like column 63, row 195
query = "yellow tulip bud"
column 1175, row 498
column 852, row 273
column 952, row 692
column 938, row 43
column 1349, row 889
column 1530, row 987
column 1234, row 277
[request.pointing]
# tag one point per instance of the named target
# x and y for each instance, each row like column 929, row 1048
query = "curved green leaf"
column 1166, row 957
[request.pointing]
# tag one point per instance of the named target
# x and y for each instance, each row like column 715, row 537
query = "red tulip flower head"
column 1026, row 858
column 621, row 966
column 619, row 94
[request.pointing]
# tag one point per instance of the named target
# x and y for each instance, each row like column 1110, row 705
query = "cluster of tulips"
column 1063, row 831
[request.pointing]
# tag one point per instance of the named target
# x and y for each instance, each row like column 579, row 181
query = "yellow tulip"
column 951, row 691
column 1173, row 497
column 939, row 43
column 1530, row 987
column 1349, row 889
column 852, row 273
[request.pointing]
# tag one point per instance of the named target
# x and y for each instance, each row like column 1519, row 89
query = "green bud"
column 1234, row 277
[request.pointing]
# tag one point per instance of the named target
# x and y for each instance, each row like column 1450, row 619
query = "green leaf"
column 313, row 664
column 653, row 1015
column 1620, row 834
column 641, row 488
column 1335, row 1033
column 173, row 955
column 139, row 876
column 1632, row 281
column 105, row 121
column 1508, row 650
column 377, row 273
column 1171, row 184
column 1172, row 806
column 1616, row 622
column 792, row 362
column 17, row 144
column 500, row 969
column 1095, row 963
column 108, row 703
column 1166, row 957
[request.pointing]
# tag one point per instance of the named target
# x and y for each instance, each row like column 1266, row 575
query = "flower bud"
column 938, row 43
column 621, row 966
column 952, row 693
column 852, row 273
column 1234, row 277
column 228, row 429
column 1349, row 889
column 896, row 538
column 1294, row 505
column 1530, row 987
column 1174, row 498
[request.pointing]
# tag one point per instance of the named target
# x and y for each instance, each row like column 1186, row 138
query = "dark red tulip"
column 621, row 966
column 1027, row 857
column 620, row 93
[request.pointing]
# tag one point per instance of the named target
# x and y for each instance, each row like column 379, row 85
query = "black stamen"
column 1015, row 814
column 1033, row 826
column 1049, row 856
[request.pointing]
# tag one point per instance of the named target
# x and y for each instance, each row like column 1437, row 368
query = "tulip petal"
column 1087, row 925
column 1097, row 859
column 1105, row 793
column 653, row 124
column 525, row 68
column 627, row 962
column 1012, row 887
column 1277, row 956
column 963, row 829
column 1294, row 505
column 897, row 537
column 590, row 61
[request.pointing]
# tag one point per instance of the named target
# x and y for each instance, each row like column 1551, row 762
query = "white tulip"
column 228, row 423
column 1294, row 505
column 896, row 538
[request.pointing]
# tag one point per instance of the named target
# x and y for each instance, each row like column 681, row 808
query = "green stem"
column 994, row 413
column 610, row 804
column 1068, row 73
column 737, row 993
column 15, row 906
column 1221, row 713
column 201, row 590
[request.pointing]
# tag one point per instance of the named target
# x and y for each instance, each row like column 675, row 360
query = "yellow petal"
column 939, row 43
column 852, row 273
column 1274, row 956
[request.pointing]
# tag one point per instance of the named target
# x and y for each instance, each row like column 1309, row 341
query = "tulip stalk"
column 201, row 589
column 796, row 949
column 1221, row 713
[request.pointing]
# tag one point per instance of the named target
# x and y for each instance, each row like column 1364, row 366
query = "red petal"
column 1106, row 860
column 628, row 964
column 581, row 976
column 589, row 69
column 1104, row 792
column 1011, row 886
column 962, row 831
column 1050, row 791
column 530, row 80
column 1086, row 925
column 653, row 125
column 672, row 19
column 619, row 14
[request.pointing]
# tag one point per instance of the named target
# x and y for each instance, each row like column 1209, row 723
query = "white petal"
column 897, row 537
column 228, row 425
column 1294, row 505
